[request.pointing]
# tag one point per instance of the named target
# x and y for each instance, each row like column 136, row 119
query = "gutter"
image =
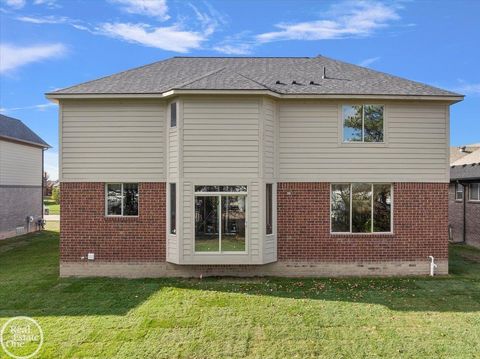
column 62, row 96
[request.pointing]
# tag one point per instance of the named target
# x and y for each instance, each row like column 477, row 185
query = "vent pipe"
column 324, row 76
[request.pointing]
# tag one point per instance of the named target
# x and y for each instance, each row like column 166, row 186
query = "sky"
column 50, row 44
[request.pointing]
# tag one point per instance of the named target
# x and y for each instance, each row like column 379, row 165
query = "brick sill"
column 363, row 235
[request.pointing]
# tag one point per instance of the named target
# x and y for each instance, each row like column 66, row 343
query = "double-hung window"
column 121, row 199
column 474, row 192
column 458, row 192
column 363, row 123
column 361, row 208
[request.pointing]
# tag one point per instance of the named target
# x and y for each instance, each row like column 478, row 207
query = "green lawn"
column 209, row 318
column 51, row 205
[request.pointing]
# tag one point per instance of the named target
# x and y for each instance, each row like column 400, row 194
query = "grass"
column 51, row 205
column 215, row 317
column 213, row 245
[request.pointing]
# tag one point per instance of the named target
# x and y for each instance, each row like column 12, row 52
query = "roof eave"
column 62, row 96
column 30, row 143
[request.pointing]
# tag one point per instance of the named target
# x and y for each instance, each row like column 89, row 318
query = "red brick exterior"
column 84, row 227
column 472, row 218
column 420, row 214
column 420, row 226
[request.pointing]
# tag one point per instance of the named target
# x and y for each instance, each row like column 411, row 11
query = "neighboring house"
column 464, row 194
column 21, row 169
column 253, row 166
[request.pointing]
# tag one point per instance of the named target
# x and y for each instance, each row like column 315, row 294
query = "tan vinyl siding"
column 20, row 165
column 221, row 137
column 311, row 147
column 173, row 151
column 113, row 140
column 268, row 138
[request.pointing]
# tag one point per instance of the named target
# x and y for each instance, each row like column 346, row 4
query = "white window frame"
column 123, row 196
column 219, row 209
column 170, row 114
column 371, row 211
column 362, row 143
column 470, row 192
column 457, row 185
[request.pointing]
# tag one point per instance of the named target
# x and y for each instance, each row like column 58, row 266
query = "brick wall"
column 84, row 227
column 420, row 225
column 472, row 218
column 18, row 202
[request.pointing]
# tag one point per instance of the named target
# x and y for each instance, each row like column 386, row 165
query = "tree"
column 56, row 194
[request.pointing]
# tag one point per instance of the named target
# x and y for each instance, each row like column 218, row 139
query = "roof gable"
column 14, row 129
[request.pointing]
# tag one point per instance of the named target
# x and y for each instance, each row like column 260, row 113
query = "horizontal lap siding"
column 269, row 139
column 221, row 137
column 20, row 165
column 117, row 140
column 415, row 149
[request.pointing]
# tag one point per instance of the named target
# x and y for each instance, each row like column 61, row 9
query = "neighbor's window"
column 173, row 114
column 458, row 192
column 362, row 123
column 361, row 208
column 173, row 208
column 122, row 199
column 269, row 209
column 474, row 190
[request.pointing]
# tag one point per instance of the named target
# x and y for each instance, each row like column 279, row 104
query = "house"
column 464, row 195
column 253, row 166
column 21, row 169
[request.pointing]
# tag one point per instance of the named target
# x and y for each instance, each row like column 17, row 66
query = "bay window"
column 361, row 208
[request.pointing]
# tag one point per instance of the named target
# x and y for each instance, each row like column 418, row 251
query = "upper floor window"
column 173, row 114
column 361, row 208
column 363, row 123
column 122, row 199
column 458, row 192
column 474, row 190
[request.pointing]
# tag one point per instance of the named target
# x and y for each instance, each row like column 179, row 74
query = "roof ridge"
column 258, row 83
column 106, row 76
column 242, row 57
column 386, row 74
column 198, row 78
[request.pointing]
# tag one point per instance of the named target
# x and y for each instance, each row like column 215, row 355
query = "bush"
column 56, row 194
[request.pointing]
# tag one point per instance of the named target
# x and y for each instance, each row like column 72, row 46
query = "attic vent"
column 313, row 83
column 295, row 83
column 279, row 82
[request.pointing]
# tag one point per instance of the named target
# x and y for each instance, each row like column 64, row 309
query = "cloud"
column 44, row 20
column 171, row 38
column 12, row 57
column 48, row 3
column 16, row 4
column 472, row 89
column 154, row 8
column 347, row 19
column 234, row 49
column 209, row 21
column 41, row 107
column 369, row 61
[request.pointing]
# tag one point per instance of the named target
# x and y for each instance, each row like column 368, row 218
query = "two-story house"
column 253, row 166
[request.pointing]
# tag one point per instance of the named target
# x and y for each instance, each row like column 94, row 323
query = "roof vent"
column 295, row 83
column 324, row 76
column 313, row 83
column 463, row 148
column 279, row 82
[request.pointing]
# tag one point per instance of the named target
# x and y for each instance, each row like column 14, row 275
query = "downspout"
column 464, row 214
column 43, row 173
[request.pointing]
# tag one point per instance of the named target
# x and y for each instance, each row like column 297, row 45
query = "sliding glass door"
column 220, row 218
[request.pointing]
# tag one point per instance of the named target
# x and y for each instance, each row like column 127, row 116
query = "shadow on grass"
column 29, row 285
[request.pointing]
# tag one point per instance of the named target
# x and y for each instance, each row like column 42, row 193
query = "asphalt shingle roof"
column 255, row 73
column 13, row 128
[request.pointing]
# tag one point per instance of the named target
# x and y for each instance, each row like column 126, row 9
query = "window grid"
column 122, row 201
column 371, row 211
